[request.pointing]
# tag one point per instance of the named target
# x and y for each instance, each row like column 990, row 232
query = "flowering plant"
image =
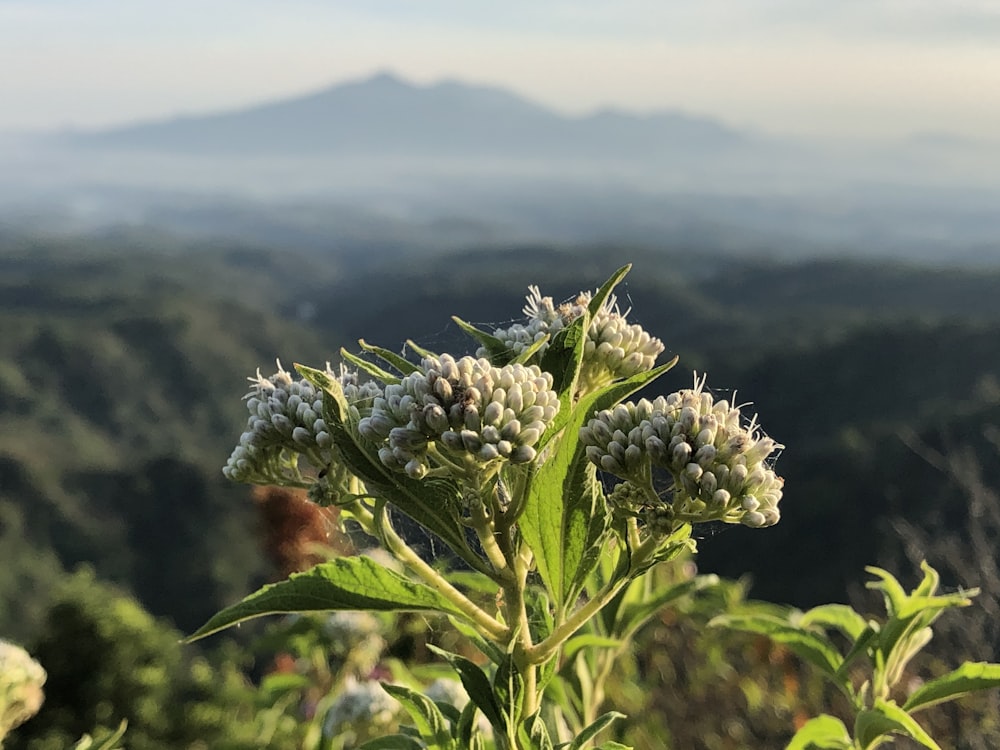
column 497, row 456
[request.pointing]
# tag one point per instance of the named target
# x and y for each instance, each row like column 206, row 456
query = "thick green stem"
column 515, row 605
column 406, row 555
column 482, row 523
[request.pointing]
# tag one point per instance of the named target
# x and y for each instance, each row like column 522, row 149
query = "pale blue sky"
column 818, row 67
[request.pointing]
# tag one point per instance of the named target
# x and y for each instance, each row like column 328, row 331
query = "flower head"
column 286, row 422
column 466, row 408
column 614, row 349
column 720, row 464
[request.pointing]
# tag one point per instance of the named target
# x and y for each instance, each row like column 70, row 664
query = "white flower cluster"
column 720, row 467
column 361, row 707
column 466, row 407
column 286, row 422
column 21, row 680
column 614, row 348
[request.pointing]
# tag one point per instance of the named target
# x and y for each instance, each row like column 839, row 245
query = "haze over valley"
column 383, row 161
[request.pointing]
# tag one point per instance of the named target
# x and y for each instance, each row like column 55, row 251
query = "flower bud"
column 522, row 454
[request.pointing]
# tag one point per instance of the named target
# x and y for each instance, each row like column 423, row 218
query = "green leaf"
column 895, row 595
column 530, row 352
column 351, row 583
column 597, row 301
column 402, row 364
column 493, row 652
column 867, row 638
column 612, row 745
column 885, row 717
column 372, row 369
column 329, row 386
column 562, row 357
column 931, row 605
column 508, row 687
column 928, row 586
column 838, row 616
column 561, row 493
column 904, row 650
column 968, row 678
column 393, row 742
column 812, row 647
column 580, row 513
column 477, row 685
column 600, row 724
column 110, row 742
column 600, row 542
column 499, row 352
column 534, row 734
column 588, row 640
column 634, row 615
column 466, row 724
column 419, row 350
column 825, row 732
column 427, row 717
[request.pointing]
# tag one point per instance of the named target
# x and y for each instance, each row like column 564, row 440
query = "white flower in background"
column 361, row 707
column 21, row 680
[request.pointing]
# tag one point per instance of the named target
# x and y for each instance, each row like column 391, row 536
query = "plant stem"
column 639, row 555
column 406, row 555
column 542, row 651
column 482, row 522
column 515, row 604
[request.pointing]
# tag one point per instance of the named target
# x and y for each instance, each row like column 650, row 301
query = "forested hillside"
column 124, row 358
column 122, row 367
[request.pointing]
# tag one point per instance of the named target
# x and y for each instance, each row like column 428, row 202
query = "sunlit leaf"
column 399, row 362
column 345, row 583
column 824, row 732
column 561, row 494
column 371, row 368
column 884, row 718
column 838, row 616
column 968, row 678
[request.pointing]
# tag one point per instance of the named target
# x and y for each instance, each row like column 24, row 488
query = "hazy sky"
column 821, row 67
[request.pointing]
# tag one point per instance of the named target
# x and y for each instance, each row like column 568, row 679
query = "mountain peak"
column 384, row 79
column 388, row 115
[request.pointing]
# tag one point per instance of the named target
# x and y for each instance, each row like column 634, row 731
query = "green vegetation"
column 120, row 357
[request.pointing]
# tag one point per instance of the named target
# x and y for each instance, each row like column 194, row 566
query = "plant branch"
column 406, row 555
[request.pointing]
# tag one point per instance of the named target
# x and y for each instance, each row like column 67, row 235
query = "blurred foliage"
column 108, row 660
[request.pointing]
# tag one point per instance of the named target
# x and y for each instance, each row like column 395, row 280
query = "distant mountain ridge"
column 385, row 115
